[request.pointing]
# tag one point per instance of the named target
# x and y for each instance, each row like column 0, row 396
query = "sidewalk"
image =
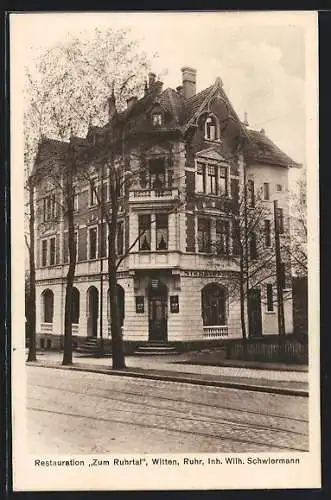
column 170, row 368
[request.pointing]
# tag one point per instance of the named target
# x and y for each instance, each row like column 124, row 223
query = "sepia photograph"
column 165, row 252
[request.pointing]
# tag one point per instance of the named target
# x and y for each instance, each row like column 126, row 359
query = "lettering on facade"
column 204, row 274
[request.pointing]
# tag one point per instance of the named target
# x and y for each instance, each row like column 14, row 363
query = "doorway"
column 92, row 311
column 158, row 311
column 254, row 312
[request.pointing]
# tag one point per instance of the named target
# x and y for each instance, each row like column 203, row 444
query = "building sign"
column 174, row 304
column 155, row 283
column 204, row 274
column 140, row 304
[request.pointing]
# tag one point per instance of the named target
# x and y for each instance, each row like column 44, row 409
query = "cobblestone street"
column 78, row 412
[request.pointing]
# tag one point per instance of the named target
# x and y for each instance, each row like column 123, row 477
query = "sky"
column 260, row 57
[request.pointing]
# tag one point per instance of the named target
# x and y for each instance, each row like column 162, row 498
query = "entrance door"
column 93, row 311
column 158, row 311
column 254, row 312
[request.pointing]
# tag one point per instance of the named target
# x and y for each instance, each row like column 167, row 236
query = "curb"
column 178, row 378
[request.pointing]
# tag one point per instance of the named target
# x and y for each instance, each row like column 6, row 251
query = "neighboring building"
column 191, row 149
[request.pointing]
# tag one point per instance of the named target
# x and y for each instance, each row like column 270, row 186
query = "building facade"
column 192, row 158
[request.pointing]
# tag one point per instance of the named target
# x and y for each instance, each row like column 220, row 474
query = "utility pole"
column 280, row 299
column 101, row 248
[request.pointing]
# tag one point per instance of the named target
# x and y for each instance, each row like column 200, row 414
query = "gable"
column 211, row 154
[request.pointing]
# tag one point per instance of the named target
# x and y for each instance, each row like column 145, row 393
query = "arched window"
column 211, row 128
column 75, row 305
column 213, row 305
column 47, row 306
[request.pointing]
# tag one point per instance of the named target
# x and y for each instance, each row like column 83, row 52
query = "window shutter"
column 190, row 233
column 82, row 244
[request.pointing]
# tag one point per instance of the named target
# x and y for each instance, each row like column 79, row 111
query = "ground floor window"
column 47, row 306
column 213, row 305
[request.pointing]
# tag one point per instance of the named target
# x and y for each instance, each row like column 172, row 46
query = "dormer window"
column 157, row 119
column 211, row 128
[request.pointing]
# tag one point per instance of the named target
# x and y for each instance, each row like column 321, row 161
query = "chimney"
column 262, row 131
column 151, row 79
column 189, row 76
column 131, row 101
column 158, row 86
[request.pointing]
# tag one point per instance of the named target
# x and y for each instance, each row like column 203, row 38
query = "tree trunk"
column 242, row 302
column 116, row 330
column 67, row 350
column 31, row 313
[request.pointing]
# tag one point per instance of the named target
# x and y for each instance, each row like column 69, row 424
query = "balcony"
column 152, row 260
column 215, row 332
column 155, row 195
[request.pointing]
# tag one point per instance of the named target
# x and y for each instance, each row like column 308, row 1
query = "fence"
column 274, row 352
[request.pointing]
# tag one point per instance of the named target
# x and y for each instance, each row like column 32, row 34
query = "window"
column 222, row 237
column 44, row 253
column 213, row 302
column 200, row 182
column 157, row 119
column 52, row 251
column 144, row 228
column 75, row 199
column 235, row 194
column 223, row 181
column 120, row 238
column 279, row 188
column 270, row 298
column 267, row 233
column 211, row 128
column 48, row 306
column 49, row 208
column 250, row 194
column 211, row 179
column 266, row 191
column 161, row 231
column 157, row 173
column 75, row 306
column 203, row 235
column 93, row 196
column 93, row 236
column 280, row 220
column 252, row 246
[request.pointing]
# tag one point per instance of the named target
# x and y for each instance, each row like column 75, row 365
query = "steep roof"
column 50, row 149
column 263, row 150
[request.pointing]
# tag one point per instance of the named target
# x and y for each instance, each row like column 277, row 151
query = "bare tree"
column 78, row 77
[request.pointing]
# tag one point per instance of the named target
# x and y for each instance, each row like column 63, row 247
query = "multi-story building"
column 193, row 155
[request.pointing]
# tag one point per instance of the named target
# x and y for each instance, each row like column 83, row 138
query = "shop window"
column 213, row 305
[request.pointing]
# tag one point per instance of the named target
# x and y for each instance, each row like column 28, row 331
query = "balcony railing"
column 153, row 194
column 215, row 332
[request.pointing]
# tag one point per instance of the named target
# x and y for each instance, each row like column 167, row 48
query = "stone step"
column 156, row 348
